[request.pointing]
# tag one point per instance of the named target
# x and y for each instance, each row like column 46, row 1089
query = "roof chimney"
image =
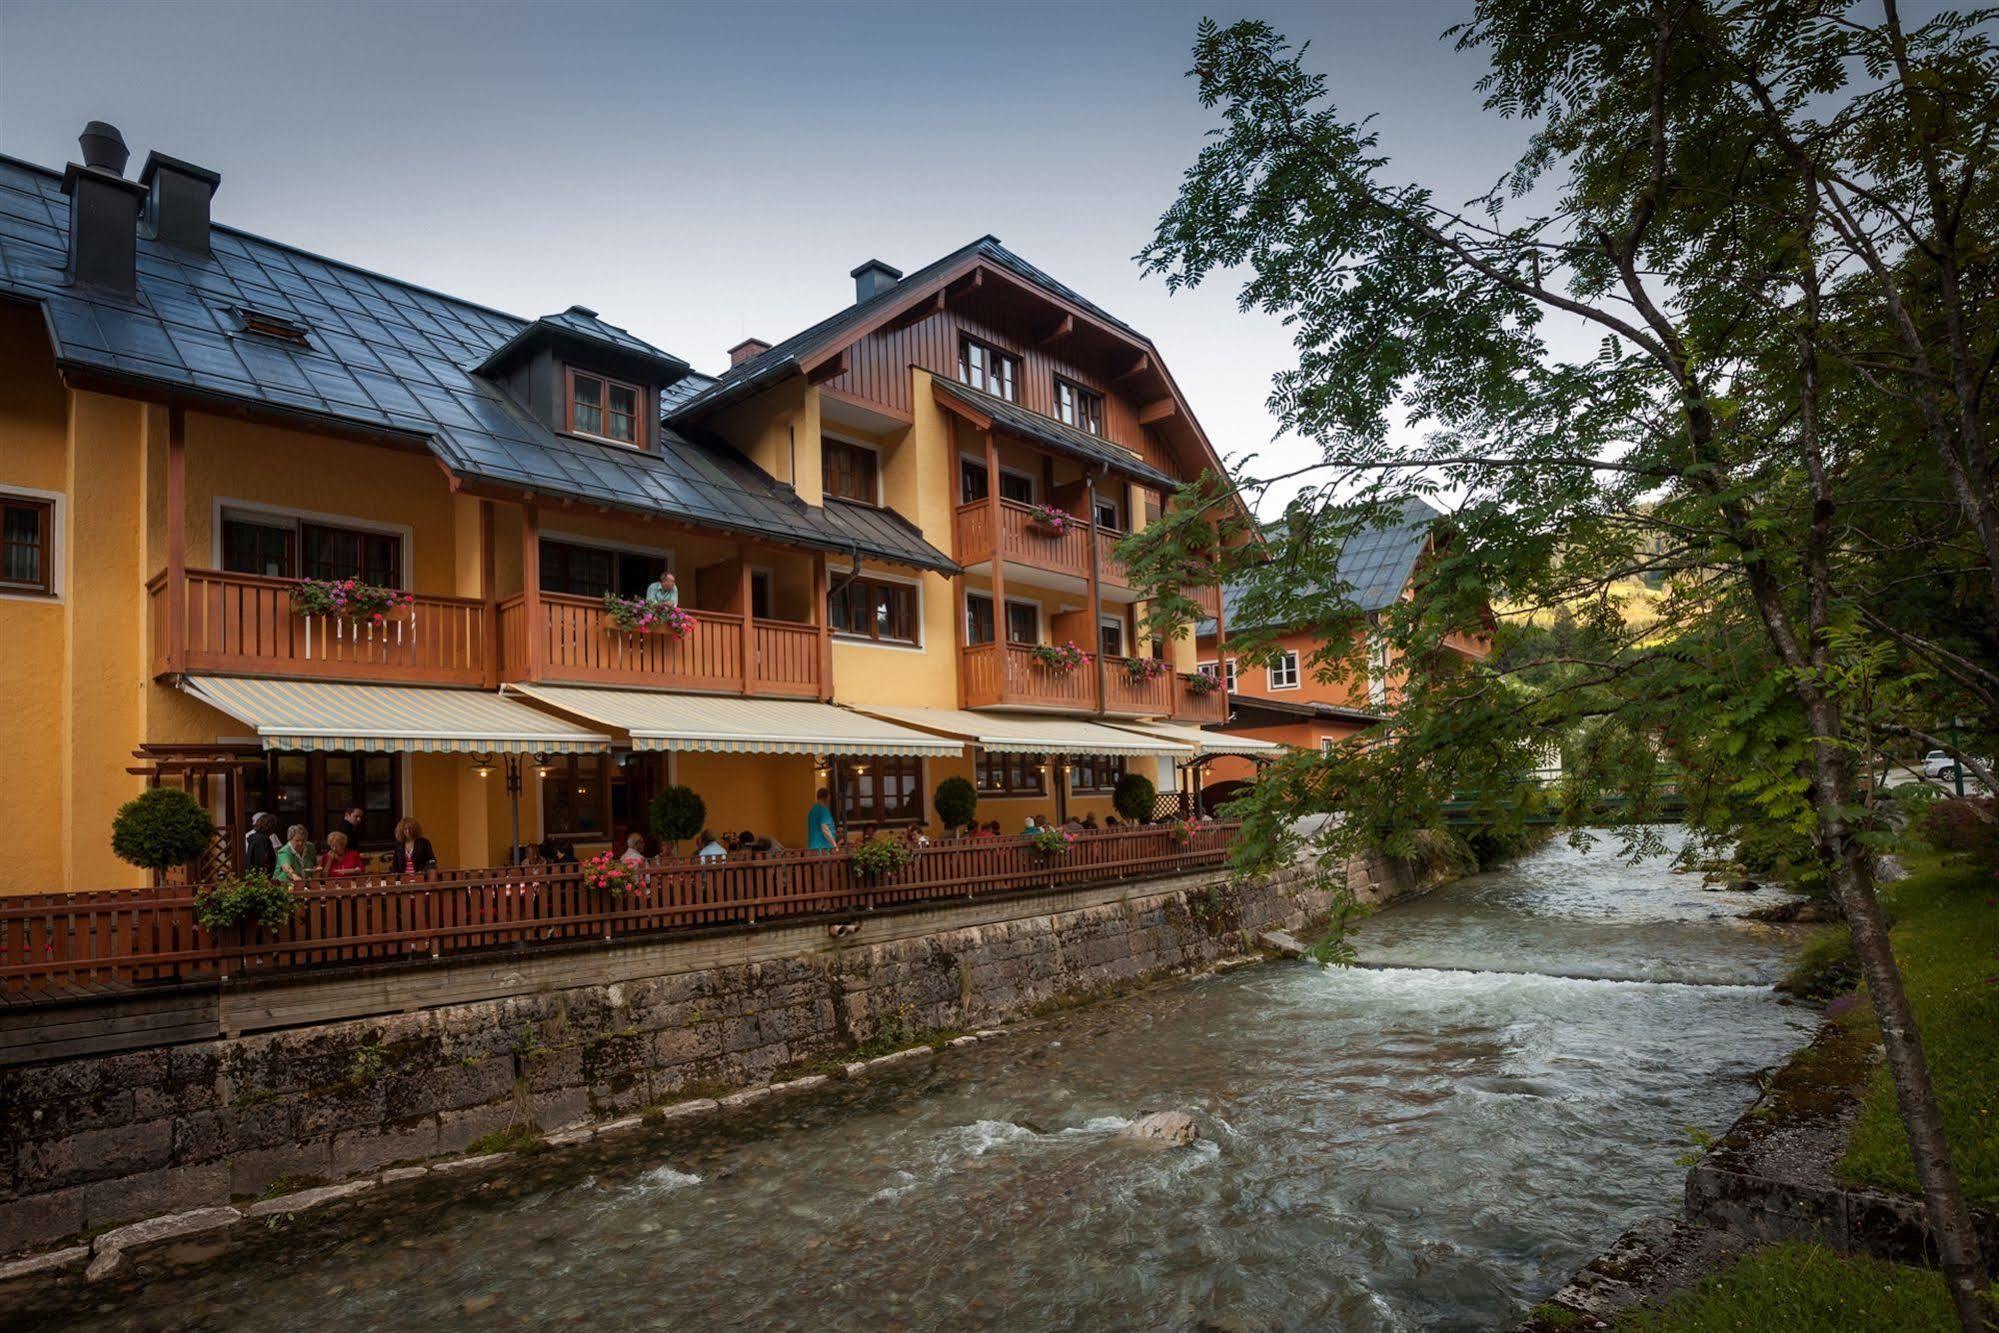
column 872, row 279
column 103, row 213
column 177, row 202
column 749, row 349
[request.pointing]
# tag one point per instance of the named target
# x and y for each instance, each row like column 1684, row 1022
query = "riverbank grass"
column 1946, row 938
column 1795, row 1288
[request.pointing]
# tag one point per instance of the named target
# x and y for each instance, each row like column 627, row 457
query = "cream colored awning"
column 1204, row 742
column 407, row 719
column 717, row 724
column 1030, row 733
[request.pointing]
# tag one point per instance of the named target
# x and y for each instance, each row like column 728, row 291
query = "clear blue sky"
column 702, row 173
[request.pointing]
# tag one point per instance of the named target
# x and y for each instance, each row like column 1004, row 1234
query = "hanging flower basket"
column 1200, row 684
column 351, row 599
column 880, row 857
column 607, row 874
column 1183, row 832
column 635, row 615
column 1061, row 658
column 1052, row 522
column 1051, row 842
column 1142, row 669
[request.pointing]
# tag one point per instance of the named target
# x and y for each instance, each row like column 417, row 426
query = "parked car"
column 1940, row 767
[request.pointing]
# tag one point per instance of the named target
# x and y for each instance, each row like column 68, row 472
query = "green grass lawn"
column 1946, row 938
column 1805, row 1288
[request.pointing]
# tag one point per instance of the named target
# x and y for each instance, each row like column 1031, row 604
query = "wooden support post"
column 1096, row 593
column 531, row 611
column 996, row 517
column 749, row 621
column 962, row 631
column 176, row 540
column 488, row 583
column 822, row 616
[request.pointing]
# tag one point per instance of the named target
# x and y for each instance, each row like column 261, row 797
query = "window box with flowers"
column 1051, row 842
column 1143, row 669
column 1049, row 521
column 880, row 857
column 1061, row 658
column 1200, row 684
column 607, row 874
column 351, row 599
column 636, row 615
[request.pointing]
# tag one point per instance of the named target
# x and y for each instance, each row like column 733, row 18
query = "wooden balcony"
column 1209, row 599
column 1199, row 709
column 1022, row 541
column 580, row 645
column 1129, row 696
column 1007, row 676
column 246, row 625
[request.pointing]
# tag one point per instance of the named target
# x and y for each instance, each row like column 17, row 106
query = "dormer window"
column 604, row 409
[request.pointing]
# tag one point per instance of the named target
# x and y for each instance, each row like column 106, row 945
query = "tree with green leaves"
column 1771, row 224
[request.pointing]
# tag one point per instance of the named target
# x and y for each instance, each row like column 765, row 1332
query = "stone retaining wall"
column 95, row 1141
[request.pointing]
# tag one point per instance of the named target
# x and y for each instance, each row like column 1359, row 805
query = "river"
column 1433, row 1139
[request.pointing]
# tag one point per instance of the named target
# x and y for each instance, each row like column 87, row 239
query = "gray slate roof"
column 383, row 355
column 1056, row 435
column 584, row 323
column 1375, row 564
column 782, row 359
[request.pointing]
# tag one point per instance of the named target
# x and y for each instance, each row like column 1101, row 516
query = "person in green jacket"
column 296, row 861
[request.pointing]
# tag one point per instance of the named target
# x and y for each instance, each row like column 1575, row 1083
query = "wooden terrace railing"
column 1002, row 674
column 580, row 644
column 245, row 624
column 1199, row 708
column 1125, row 694
column 1024, row 542
column 64, row 942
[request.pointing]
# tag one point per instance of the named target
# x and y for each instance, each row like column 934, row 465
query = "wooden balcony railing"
column 244, row 624
column 51, row 943
column 1208, row 598
column 1199, row 709
column 580, row 644
column 1022, row 541
column 1006, row 674
column 1127, row 695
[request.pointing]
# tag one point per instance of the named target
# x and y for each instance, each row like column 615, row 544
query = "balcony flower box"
column 635, row 615
column 1200, row 684
column 351, row 599
column 609, row 875
column 1144, row 669
column 1052, row 522
column 1051, row 842
column 1061, row 658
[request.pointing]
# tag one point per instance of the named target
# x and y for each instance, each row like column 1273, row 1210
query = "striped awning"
column 714, row 724
column 406, row 719
column 1204, row 742
column 1029, row 733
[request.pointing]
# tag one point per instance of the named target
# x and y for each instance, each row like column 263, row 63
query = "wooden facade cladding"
column 878, row 365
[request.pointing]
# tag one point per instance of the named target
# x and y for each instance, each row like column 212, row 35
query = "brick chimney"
column 103, row 213
column 749, row 349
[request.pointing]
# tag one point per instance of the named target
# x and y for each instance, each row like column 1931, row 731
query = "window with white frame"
column 1284, row 671
column 1377, row 669
column 1228, row 674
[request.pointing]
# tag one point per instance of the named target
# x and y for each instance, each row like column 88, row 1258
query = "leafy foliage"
column 1134, row 797
column 242, row 900
column 160, row 828
column 677, row 813
column 1051, row 842
column 883, row 854
column 956, row 802
column 1963, row 824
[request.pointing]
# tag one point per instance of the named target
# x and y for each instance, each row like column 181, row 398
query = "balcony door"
column 1023, row 620
column 972, row 486
column 279, row 546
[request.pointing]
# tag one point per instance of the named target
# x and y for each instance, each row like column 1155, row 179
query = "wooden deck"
column 54, row 945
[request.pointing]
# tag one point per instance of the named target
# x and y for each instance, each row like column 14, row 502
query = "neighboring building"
column 1283, row 701
column 194, row 419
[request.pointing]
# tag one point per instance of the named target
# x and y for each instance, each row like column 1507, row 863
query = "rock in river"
column 1168, row 1129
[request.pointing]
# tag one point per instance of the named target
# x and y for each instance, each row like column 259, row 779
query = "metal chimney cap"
column 104, row 147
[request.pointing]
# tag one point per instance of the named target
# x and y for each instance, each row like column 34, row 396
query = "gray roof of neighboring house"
column 384, row 355
column 1063, row 438
column 1375, row 564
column 782, row 358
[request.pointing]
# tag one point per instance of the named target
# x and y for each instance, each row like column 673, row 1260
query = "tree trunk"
column 1950, row 1219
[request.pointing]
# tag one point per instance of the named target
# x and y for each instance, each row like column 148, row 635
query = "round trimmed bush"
column 678, row 813
column 957, row 802
column 1134, row 797
column 160, row 828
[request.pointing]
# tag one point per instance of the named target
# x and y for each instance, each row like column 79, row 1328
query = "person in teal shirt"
column 664, row 589
column 819, row 825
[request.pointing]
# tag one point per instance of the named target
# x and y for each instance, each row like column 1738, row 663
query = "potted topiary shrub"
column 956, row 802
column 677, row 814
column 1134, row 796
column 160, row 828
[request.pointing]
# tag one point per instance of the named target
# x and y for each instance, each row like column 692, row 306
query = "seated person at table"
column 340, row 861
column 635, row 850
column 296, row 859
column 711, row 850
column 746, row 841
column 1089, row 821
